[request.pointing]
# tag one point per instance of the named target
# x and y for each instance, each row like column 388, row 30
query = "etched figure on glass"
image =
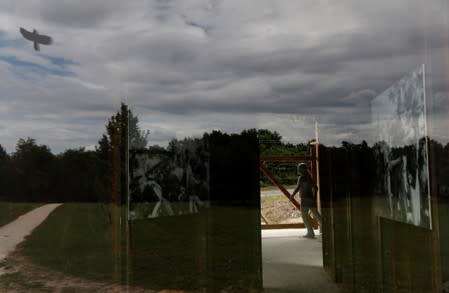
column 169, row 181
column 399, row 114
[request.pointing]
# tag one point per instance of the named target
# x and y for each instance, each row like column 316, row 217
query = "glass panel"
column 141, row 131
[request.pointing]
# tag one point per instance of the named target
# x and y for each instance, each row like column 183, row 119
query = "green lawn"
column 9, row 211
column 76, row 238
column 167, row 252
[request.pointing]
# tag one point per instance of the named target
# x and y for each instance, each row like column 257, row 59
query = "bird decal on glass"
column 36, row 38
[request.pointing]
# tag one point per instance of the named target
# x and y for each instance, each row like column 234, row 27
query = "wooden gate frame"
column 313, row 158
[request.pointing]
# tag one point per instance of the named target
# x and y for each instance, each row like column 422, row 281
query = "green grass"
column 9, row 211
column 76, row 239
column 167, row 252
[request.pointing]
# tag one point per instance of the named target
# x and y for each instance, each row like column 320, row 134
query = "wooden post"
column 115, row 207
column 316, row 171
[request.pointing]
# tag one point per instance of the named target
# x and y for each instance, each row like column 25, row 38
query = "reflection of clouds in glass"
column 399, row 114
column 293, row 128
column 437, row 123
column 399, row 111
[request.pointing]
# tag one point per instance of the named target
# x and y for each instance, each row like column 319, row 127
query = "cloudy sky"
column 189, row 66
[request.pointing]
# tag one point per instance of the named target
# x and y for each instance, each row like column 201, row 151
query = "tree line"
column 34, row 174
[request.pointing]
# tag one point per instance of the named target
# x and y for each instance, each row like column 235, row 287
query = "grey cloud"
column 66, row 14
column 160, row 136
column 332, row 57
column 79, row 15
column 162, row 8
column 362, row 97
column 148, row 54
column 96, row 107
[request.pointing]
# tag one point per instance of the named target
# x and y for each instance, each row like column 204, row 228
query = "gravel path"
column 275, row 192
column 15, row 232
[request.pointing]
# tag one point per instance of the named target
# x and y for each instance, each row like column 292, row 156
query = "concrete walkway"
column 292, row 263
column 15, row 232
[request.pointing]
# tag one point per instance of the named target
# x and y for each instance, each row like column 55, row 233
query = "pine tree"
column 122, row 134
